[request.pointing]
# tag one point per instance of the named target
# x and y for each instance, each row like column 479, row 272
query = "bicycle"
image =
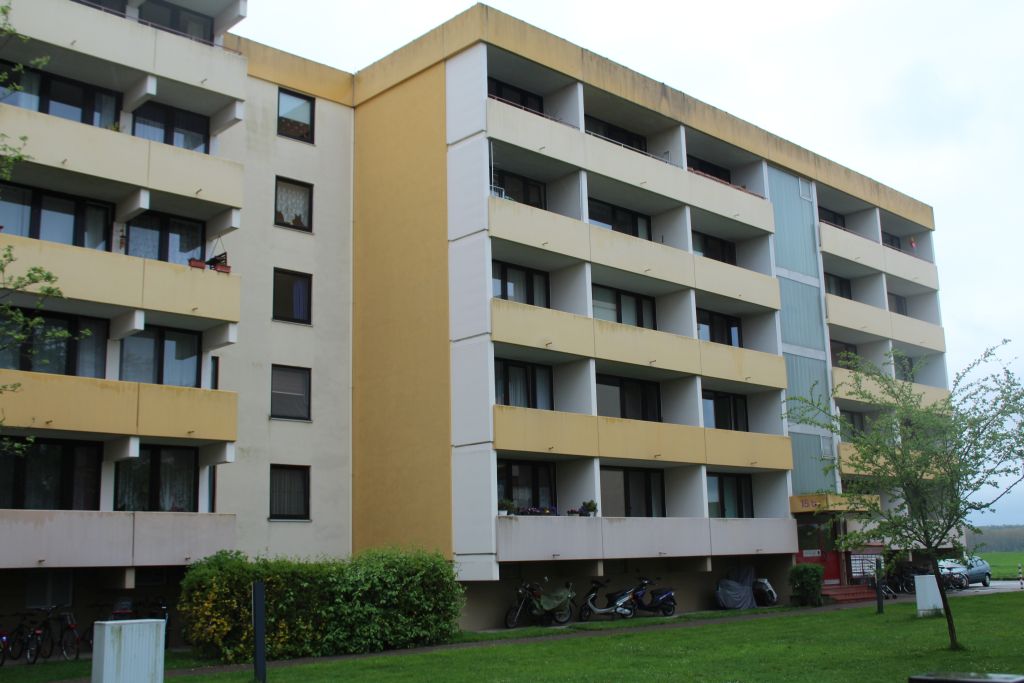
column 70, row 640
column 24, row 639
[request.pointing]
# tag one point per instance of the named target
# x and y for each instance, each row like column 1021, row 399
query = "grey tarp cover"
column 736, row 590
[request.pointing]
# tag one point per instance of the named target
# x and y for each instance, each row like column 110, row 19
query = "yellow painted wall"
column 401, row 398
column 293, row 72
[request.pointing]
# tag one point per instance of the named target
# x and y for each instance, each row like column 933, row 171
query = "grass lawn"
column 56, row 669
column 1004, row 564
column 851, row 645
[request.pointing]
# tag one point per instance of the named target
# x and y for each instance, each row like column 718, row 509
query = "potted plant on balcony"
column 588, row 508
column 197, row 263
column 506, row 507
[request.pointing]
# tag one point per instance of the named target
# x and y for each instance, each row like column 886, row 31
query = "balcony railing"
column 635, row 149
column 157, row 26
column 691, row 169
column 549, row 117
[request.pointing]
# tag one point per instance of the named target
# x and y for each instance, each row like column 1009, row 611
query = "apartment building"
column 336, row 311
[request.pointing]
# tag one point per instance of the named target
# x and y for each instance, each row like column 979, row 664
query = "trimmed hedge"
column 806, row 580
column 377, row 600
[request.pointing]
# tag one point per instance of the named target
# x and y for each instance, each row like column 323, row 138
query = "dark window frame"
column 306, row 514
column 81, row 204
column 309, row 395
column 103, row 5
column 515, row 95
column 631, row 222
column 308, row 278
column 709, row 168
column 734, row 409
column 165, row 234
column 745, row 504
column 530, row 273
column 714, row 248
column 172, row 119
column 158, row 360
column 614, row 133
column 531, row 382
column 26, row 353
column 837, row 349
column 505, row 486
column 498, row 179
column 896, row 303
column 831, row 217
column 728, row 321
column 152, row 451
column 640, row 299
column 892, row 241
column 46, row 80
column 649, row 413
column 175, row 27
column 307, row 138
column 283, row 221
column 67, row 474
column 648, row 502
column 839, row 286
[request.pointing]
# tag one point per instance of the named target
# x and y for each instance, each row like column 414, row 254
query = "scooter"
column 620, row 603
column 531, row 599
column 661, row 600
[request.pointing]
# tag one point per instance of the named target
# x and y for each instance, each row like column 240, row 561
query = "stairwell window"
column 293, row 204
column 526, row 385
column 295, row 114
column 289, row 392
column 289, row 492
column 730, row 495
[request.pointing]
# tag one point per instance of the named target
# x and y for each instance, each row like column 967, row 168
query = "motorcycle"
column 619, row 603
column 660, row 600
column 764, row 594
column 531, row 599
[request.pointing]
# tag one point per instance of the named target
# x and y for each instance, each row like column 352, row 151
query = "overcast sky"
column 923, row 96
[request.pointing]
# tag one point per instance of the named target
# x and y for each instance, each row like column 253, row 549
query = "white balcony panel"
column 758, row 536
column 626, row 537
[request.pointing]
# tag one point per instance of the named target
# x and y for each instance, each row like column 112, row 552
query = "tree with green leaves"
column 11, row 152
column 920, row 469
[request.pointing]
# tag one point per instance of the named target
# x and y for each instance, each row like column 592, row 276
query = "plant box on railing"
column 197, row 263
column 539, row 512
column 221, row 267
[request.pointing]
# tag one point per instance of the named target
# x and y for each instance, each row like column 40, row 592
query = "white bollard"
column 128, row 651
column 929, row 602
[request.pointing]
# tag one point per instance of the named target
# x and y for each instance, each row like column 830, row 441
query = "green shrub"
column 378, row 600
column 805, row 580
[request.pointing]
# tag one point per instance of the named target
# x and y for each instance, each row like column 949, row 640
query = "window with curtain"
column 166, row 238
column 295, row 115
column 289, row 492
column 293, row 204
column 63, row 97
column 54, row 217
column 61, row 345
column 51, row 475
column 527, row 483
column 526, row 385
column 292, row 296
column 161, row 479
column 289, row 392
column 160, row 355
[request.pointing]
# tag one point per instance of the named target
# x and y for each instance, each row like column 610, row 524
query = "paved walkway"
column 566, row 634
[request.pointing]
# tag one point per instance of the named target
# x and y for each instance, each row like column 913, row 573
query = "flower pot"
column 197, row 263
column 503, row 513
column 222, row 268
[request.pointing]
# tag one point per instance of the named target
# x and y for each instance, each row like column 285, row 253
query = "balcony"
column 746, row 366
column 736, row 283
column 842, row 380
column 69, row 156
column 59, row 403
column 756, row 536
column 542, row 328
column 205, row 297
column 852, row 247
column 748, row 449
column 68, row 538
column 538, row 228
column 576, row 148
column 111, row 51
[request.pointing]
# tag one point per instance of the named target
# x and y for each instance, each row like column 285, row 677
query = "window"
column 730, row 495
column 719, row 328
column 172, row 126
column 295, row 115
column 832, row 217
column 520, row 189
column 166, row 238
column 515, row 283
column 622, row 220
column 60, row 345
column 897, row 303
column 293, row 205
column 161, row 479
column 51, row 475
column 714, row 248
column 708, row 168
column 161, row 355
column 839, row 286
column 177, row 20
column 526, row 385
column 115, row 6
column 527, row 484
column 838, row 349
column 890, row 240
column 63, row 97
column 510, row 93
column 54, row 217
column 632, row 399
column 856, row 421
column 623, row 307
column 292, row 296
column 725, row 411
column 289, row 392
column 632, row 492
column 289, row 492
column 615, row 133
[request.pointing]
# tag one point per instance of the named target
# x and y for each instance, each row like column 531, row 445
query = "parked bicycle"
column 24, row 639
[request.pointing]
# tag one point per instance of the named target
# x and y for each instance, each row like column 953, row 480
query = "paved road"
column 996, row 587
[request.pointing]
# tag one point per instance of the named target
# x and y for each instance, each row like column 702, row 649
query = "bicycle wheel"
column 46, row 642
column 17, row 643
column 69, row 644
column 31, row 649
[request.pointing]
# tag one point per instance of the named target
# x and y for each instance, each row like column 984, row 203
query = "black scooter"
column 660, row 600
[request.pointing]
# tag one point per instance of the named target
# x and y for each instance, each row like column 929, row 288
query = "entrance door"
column 816, row 543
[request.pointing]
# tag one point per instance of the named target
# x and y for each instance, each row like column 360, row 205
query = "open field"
column 1004, row 565
column 847, row 645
